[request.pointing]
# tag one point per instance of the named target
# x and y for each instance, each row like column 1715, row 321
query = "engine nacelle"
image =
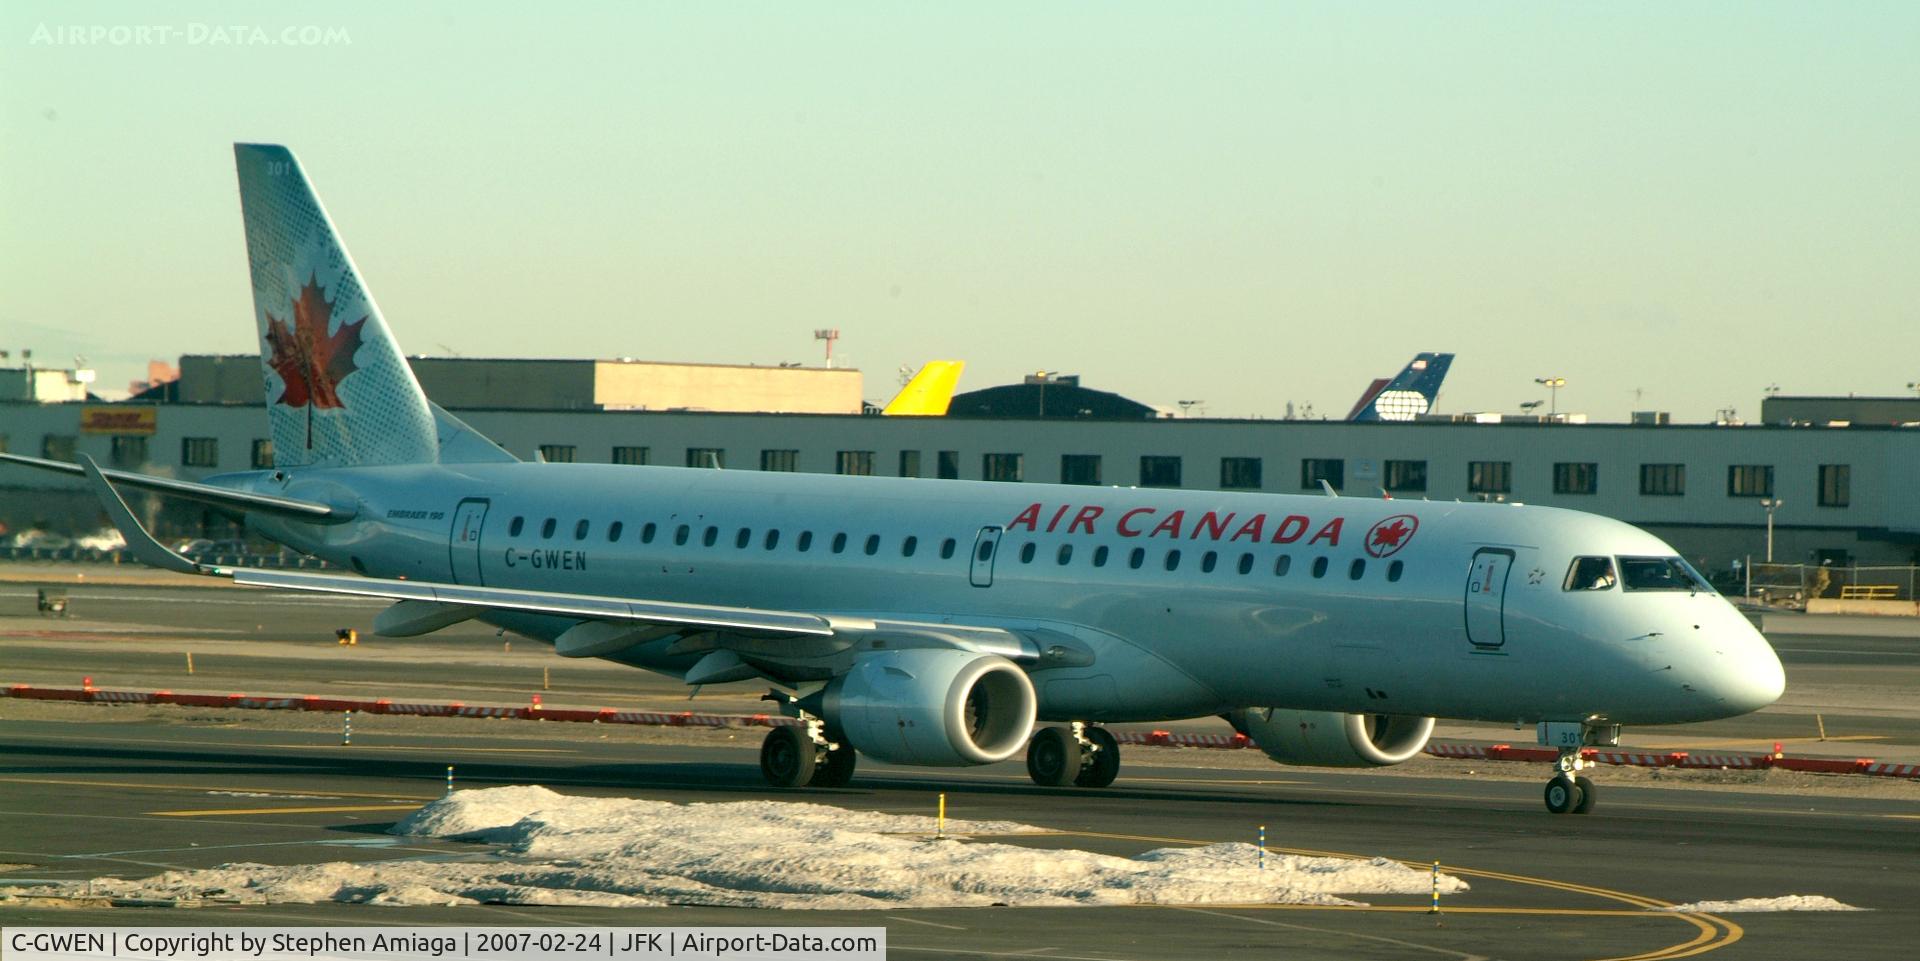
column 932, row 706
column 1330, row 739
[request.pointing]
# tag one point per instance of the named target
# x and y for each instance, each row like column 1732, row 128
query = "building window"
column 557, row 453
column 194, row 451
column 1313, row 470
column 131, row 451
column 1836, row 485
column 948, row 466
column 706, row 457
column 1576, row 478
column 780, row 460
column 1750, row 480
column 1080, row 469
column 1239, row 473
column 1406, row 475
column 909, row 463
column 1490, row 477
column 853, row 462
column 1003, row 467
column 636, row 456
column 1663, row 480
column 1159, row 470
column 262, row 453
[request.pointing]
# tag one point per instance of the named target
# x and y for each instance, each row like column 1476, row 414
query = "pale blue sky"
column 1245, row 205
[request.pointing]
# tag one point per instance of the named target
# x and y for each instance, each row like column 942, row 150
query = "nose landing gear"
column 1569, row 791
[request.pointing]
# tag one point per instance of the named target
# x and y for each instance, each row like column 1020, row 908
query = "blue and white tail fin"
column 339, row 391
column 1408, row 395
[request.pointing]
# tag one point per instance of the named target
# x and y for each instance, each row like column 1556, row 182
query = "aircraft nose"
column 1754, row 677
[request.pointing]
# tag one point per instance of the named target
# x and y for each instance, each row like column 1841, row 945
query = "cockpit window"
column 1661, row 574
column 1590, row 574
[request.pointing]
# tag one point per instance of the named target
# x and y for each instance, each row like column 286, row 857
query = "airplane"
column 943, row 622
column 1408, row 395
column 930, row 391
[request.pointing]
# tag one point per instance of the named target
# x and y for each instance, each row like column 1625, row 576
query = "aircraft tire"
column 1053, row 757
column 1588, row 794
column 1563, row 795
column 787, row 757
column 834, row 770
column 1106, row 760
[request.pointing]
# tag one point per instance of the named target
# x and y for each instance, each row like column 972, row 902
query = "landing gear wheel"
column 787, row 757
column 1588, row 794
column 1563, row 795
column 834, row 770
column 1106, row 759
column 1053, row 757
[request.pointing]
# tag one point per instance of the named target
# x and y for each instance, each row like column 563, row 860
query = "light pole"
column 1771, row 504
column 1552, row 384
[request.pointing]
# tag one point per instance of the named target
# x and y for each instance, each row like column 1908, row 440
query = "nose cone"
column 1749, row 676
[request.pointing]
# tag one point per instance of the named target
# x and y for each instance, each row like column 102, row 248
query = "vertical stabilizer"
column 339, row 392
column 930, row 391
column 1408, row 395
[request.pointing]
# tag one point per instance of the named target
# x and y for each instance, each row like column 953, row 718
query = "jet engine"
column 1330, row 739
column 932, row 706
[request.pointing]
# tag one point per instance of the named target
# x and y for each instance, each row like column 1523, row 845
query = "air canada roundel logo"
column 1387, row 536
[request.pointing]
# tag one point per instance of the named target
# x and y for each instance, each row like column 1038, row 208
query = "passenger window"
column 1207, row 562
column 1282, row 564
column 1393, row 571
column 840, row 542
column 1066, row 553
column 1589, row 574
column 986, row 551
column 908, row 546
column 773, row 539
column 1319, row 567
column 680, row 536
column 613, row 531
column 1173, row 560
column 946, row 548
column 1137, row 558
column 546, row 529
column 580, row 530
column 873, row 544
column 513, row 529
column 743, row 538
column 647, row 531
column 806, row 541
column 1246, row 563
column 711, row 537
column 1356, row 570
column 1100, row 556
column 1026, row 553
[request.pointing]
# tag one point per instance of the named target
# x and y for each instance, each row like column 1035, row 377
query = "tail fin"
column 929, row 392
column 339, row 392
column 1408, row 395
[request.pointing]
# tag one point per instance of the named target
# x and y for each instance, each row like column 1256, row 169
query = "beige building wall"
column 642, row 385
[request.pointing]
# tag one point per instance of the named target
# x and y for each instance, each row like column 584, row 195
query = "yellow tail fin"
column 929, row 392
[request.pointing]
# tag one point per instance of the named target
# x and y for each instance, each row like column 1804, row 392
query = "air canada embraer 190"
column 946, row 622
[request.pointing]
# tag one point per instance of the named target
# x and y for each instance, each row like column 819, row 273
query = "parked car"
column 104, row 539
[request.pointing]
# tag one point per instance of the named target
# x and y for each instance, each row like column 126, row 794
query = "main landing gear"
column 1076, row 756
column 802, row 756
column 1569, row 791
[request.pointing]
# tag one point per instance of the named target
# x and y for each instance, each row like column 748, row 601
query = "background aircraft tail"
column 339, row 391
column 930, row 391
column 1408, row 395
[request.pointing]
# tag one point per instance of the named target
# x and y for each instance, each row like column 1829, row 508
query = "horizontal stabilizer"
column 288, row 507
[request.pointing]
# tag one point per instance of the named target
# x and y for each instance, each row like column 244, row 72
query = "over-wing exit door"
column 984, row 547
column 463, row 547
column 1487, row 597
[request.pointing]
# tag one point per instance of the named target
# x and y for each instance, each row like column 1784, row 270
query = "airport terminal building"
column 1844, row 493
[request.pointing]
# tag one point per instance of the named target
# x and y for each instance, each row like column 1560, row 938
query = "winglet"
column 149, row 551
column 930, row 391
column 1327, row 486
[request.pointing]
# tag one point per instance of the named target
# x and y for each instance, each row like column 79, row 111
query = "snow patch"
column 619, row 852
column 1792, row 902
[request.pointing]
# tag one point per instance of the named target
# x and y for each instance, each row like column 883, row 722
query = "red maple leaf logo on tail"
column 309, row 361
column 1391, row 534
